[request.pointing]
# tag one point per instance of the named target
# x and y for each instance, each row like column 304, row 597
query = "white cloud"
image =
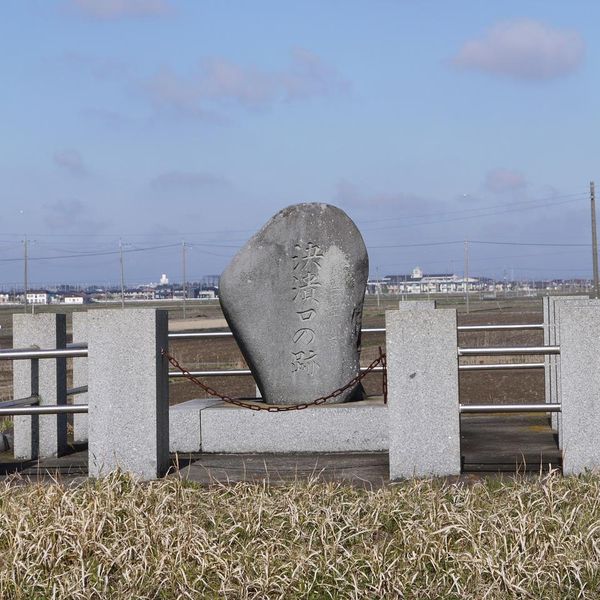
column 70, row 161
column 525, row 50
column 504, row 180
column 219, row 81
column 186, row 181
column 108, row 10
column 71, row 216
column 350, row 195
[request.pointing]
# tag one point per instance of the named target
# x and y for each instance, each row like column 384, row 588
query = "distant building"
column 205, row 294
column 164, row 280
column 420, row 283
column 73, row 300
column 38, row 297
column 210, row 281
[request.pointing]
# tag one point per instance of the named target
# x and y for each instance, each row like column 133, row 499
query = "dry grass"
column 116, row 538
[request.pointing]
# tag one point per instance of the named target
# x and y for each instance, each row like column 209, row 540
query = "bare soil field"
column 475, row 387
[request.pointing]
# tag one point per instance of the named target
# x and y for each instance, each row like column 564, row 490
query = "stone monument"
column 293, row 298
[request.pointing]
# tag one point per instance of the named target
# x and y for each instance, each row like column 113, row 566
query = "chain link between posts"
column 380, row 360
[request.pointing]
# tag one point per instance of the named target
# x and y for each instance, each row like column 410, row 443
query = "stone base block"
column 184, row 424
column 350, row 427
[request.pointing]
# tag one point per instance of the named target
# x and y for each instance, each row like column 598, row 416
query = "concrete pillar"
column 556, row 303
column 580, row 387
column 416, row 304
column 128, row 382
column 424, row 419
column 40, row 436
column 80, row 377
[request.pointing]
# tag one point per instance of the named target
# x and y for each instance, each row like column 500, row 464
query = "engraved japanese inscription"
column 306, row 263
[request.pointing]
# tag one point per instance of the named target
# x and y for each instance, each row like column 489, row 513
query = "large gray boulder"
column 293, row 297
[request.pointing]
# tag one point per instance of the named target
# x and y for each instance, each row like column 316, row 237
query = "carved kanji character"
column 305, row 335
column 305, row 361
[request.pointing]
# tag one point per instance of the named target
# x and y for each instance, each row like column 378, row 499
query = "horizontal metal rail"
column 501, row 351
column 50, row 409
column 237, row 372
column 509, row 408
column 28, row 354
column 501, row 367
column 525, row 327
column 20, row 402
column 74, row 345
column 82, row 389
column 190, row 335
column 461, row 328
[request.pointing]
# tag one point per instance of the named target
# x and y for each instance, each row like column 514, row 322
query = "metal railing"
column 461, row 329
column 501, row 367
column 524, row 327
column 192, row 335
column 30, row 353
column 47, row 409
column 509, row 408
column 26, row 406
column 238, row 372
column 508, row 350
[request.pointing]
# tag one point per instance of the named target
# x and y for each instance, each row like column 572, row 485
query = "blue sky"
column 162, row 121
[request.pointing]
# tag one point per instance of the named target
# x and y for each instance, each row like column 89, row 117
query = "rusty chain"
column 286, row 408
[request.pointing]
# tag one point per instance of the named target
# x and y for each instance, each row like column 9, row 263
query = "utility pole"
column 594, row 240
column 122, row 273
column 467, row 275
column 26, row 269
column 184, row 285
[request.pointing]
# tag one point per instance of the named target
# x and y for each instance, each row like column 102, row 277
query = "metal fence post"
column 46, row 435
column 128, row 392
column 424, row 419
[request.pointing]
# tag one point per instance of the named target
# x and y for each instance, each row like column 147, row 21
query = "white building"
column 164, row 280
column 206, row 295
column 38, row 297
column 73, row 299
column 439, row 283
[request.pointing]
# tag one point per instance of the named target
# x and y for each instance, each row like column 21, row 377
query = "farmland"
column 492, row 387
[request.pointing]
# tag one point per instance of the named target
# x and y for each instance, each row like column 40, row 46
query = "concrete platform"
column 185, row 433
column 490, row 444
column 349, row 427
column 508, row 443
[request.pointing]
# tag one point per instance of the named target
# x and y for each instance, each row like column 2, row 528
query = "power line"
column 91, row 254
column 539, row 201
column 471, row 217
column 416, row 245
column 540, row 244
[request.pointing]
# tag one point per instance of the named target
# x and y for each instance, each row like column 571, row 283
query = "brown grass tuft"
column 118, row 538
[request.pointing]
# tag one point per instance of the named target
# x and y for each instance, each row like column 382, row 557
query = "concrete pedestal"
column 349, row 427
column 185, row 434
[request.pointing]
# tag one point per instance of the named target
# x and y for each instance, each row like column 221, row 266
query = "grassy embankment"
column 115, row 538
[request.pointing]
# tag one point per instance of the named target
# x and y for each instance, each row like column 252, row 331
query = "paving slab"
column 490, row 444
